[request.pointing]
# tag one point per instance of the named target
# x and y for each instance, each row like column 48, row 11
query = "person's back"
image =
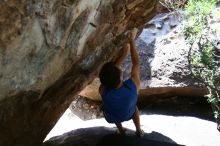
column 120, row 103
column 120, row 98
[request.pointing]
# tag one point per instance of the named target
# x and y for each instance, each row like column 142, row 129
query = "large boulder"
column 164, row 63
column 49, row 51
column 164, row 66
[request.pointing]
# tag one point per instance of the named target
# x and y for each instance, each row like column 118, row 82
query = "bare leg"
column 136, row 120
column 120, row 128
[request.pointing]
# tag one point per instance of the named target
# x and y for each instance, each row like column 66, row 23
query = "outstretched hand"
column 133, row 34
column 122, row 55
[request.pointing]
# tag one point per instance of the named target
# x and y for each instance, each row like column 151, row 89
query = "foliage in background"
column 173, row 5
column 204, row 56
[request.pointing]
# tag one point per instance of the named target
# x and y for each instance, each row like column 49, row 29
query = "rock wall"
column 164, row 63
column 164, row 66
column 49, row 51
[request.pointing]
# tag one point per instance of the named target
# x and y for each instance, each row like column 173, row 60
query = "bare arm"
column 122, row 55
column 135, row 71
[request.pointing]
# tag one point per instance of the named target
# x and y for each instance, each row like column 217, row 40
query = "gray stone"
column 49, row 51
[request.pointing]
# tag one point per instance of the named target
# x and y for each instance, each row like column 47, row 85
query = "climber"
column 119, row 97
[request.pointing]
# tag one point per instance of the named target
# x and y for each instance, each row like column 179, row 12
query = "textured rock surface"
column 49, row 51
column 164, row 63
column 86, row 109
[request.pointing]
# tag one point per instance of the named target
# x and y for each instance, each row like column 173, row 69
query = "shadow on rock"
column 103, row 136
column 132, row 140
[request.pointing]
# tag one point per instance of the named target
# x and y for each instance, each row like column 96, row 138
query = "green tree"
column 203, row 54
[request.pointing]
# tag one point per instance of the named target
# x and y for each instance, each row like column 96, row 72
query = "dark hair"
column 110, row 75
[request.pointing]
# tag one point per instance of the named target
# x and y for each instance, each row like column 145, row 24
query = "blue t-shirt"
column 120, row 104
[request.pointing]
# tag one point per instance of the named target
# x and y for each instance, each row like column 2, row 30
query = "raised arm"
column 135, row 71
column 122, row 55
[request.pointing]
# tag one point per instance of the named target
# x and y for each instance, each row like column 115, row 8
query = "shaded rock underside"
column 49, row 51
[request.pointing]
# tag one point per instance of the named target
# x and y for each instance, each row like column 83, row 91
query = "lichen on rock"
column 49, row 51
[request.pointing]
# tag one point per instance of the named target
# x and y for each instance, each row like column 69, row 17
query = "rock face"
column 49, row 51
column 164, row 63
